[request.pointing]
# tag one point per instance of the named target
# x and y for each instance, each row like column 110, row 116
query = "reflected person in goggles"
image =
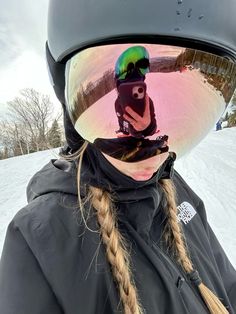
column 111, row 226
column 137, row 118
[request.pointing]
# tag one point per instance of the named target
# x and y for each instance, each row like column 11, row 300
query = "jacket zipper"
column 179, row 270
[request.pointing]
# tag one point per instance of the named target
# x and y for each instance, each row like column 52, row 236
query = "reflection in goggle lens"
column 137, row 101
column 133, row 58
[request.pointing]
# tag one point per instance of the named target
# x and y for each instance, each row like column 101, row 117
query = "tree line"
column 230, row 115
column 230, row 118
column 29, row 125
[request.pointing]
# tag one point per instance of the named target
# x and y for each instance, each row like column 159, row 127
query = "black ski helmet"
column 74, row 25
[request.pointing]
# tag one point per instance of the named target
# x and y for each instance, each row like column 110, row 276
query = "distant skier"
column 219, row 125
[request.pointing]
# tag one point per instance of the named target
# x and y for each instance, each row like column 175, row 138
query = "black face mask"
column 99, row 172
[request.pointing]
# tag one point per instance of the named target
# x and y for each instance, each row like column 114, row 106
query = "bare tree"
column 7, row 138
column 34, row 111
column 15, row 137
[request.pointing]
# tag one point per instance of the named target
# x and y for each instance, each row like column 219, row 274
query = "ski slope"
column 210, row 170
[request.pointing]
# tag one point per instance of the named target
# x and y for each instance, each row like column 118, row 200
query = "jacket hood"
column 58, row 176
column 138, row 202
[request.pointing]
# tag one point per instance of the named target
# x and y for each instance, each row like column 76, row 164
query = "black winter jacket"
column 52, row 264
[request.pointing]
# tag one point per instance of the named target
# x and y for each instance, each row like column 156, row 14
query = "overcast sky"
column 23, row 25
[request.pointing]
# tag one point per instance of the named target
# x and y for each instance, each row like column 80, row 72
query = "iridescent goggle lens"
column 133, row 115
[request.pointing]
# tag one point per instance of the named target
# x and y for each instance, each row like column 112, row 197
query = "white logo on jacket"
column 186, row 212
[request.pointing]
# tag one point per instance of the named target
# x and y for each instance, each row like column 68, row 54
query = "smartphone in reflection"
column 133, row 94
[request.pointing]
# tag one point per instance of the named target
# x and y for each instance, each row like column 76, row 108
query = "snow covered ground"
column 210, row 169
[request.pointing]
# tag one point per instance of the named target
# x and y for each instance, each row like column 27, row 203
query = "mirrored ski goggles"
column 172, row 107
column 133, row 58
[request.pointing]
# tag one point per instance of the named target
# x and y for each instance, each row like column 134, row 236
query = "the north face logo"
column 186, row 212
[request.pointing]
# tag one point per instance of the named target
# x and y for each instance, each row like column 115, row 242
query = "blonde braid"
column 178, row 244
column 116, row 251
column 213, row 303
